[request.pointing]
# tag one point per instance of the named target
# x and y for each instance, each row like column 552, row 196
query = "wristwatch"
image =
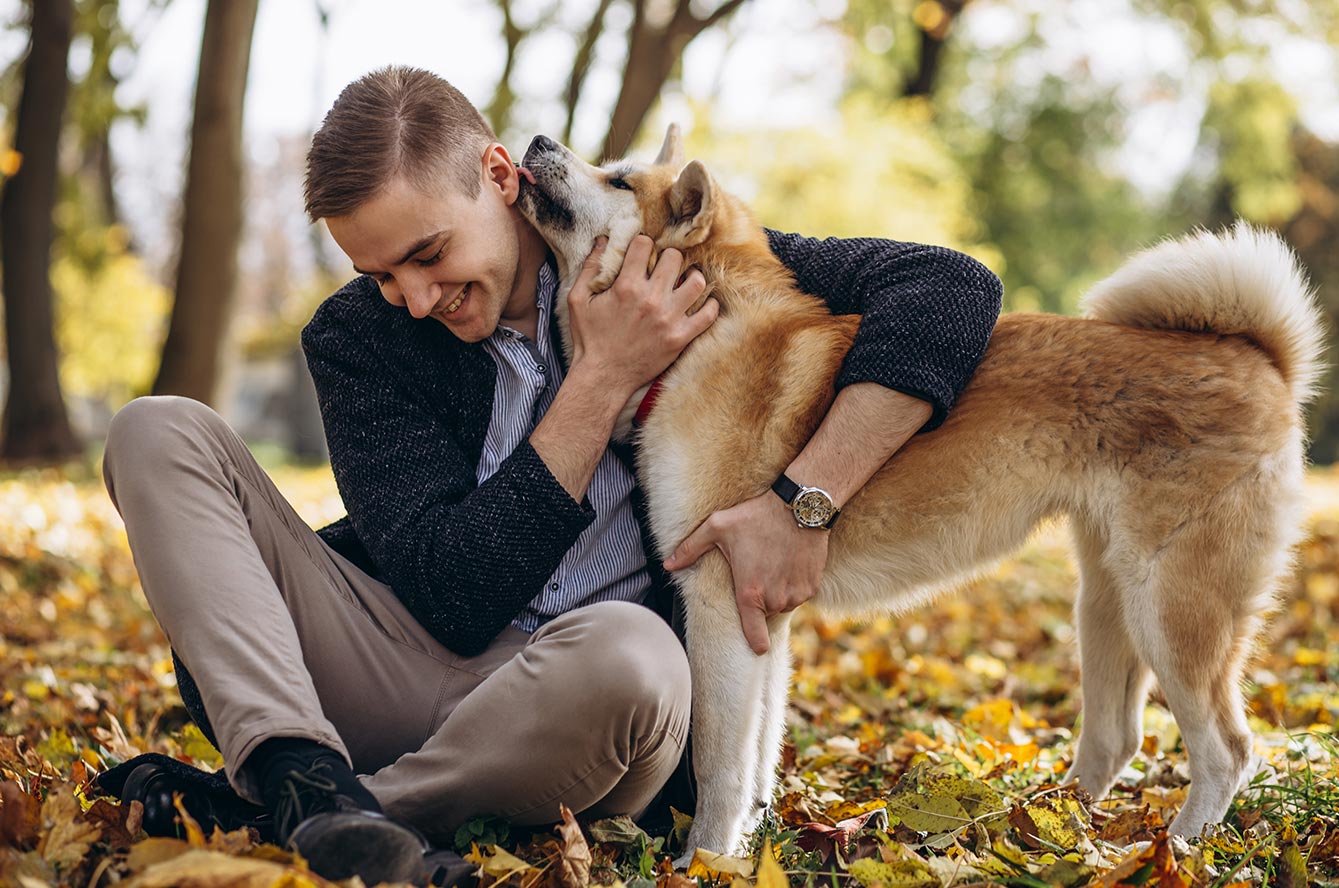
column 812, row 506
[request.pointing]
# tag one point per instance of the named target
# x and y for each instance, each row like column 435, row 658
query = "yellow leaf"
column 198, row 868
column 195, row 745
column 68, row 835
column 495, row 862
column 770, row 873
column 718, row 866
column 897, row 874
column 153, row 851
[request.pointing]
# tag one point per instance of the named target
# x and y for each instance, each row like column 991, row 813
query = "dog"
column 1166, row 424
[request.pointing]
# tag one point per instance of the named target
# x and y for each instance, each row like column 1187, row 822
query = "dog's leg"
column 728, row 689
column 776, row 691
column 1194, row 626
column 1115, row 680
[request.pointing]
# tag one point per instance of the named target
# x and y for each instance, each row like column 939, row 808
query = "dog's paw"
column 682, row 863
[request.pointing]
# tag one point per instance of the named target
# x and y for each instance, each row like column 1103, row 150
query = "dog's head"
column 572, row 203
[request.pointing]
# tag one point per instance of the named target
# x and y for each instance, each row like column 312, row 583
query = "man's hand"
column 631, row 332
column 777, row 565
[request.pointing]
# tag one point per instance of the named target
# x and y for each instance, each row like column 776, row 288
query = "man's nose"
column 420, row 296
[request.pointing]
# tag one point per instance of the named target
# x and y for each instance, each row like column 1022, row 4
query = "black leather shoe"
column 322, row 813
column 152, row 779
column 447, row 869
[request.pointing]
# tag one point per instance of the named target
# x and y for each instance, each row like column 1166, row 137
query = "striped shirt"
column 607, row 562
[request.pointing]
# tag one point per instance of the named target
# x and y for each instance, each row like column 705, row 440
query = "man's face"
column 439, row 253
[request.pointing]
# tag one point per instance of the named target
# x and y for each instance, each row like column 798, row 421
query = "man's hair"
column 396, row 121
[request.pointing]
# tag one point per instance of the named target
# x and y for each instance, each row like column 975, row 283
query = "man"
column 472, row 639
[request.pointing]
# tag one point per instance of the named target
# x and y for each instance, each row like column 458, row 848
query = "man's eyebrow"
column 409, row 254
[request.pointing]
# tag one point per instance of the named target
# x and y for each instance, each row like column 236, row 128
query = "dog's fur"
column 1167, row 426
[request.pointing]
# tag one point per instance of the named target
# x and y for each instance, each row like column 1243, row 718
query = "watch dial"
column 813, row 509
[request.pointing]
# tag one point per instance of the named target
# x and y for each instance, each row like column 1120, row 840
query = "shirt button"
column 553, row 586
column 542, row 369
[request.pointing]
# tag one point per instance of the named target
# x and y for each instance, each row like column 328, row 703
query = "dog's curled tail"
column 1245, row 280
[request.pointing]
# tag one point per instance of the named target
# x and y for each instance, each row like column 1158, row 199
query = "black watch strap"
column 785, row 488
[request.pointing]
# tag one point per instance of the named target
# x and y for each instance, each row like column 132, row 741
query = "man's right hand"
column 628, row 334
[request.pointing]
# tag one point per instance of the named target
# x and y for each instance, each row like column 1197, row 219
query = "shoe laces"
column 302, row 794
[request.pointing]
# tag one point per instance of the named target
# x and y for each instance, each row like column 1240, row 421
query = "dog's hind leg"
column 1115, row 680
column 729, row 683
column 776, row 691
column 1194, row 627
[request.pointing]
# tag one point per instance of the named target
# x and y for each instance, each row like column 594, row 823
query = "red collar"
column 649, row 401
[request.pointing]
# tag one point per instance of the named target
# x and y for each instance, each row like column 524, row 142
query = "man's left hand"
column 777, row 565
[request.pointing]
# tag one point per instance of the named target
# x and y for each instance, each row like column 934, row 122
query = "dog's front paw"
column 682, row 863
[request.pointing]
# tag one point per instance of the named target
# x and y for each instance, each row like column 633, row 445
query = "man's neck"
column 522, row 311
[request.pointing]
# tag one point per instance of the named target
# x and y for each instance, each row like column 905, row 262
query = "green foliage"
column 880, row 171
column 110, row 320
column 1250, row 124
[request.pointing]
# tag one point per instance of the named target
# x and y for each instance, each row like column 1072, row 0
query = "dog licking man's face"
column 571, row 203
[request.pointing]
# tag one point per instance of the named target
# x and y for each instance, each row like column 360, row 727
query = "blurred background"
column 152, row 155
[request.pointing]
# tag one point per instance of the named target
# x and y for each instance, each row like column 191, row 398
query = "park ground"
column 923, row 750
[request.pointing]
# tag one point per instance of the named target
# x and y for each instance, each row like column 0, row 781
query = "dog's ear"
column 671, row 150
column 690, row 200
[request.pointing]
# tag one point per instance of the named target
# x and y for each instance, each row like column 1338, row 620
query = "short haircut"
column 396, row 121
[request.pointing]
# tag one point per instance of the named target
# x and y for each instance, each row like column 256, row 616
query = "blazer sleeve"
column 926, row 312
column 465, row 558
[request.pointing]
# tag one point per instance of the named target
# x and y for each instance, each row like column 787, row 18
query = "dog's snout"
column 541, row 145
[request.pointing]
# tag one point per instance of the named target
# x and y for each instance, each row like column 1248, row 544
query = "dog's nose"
column 541, row 145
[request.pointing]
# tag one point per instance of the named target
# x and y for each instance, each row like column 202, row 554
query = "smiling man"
column 484, row 632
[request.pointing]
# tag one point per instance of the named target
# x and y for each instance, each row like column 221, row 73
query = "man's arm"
column 926, row 315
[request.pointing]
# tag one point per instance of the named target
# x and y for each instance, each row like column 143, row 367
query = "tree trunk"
column 653, row 50
column 932, row 39
column 212, row 209
column 35, row 427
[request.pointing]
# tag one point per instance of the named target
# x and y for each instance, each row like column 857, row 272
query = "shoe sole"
column 340, row 845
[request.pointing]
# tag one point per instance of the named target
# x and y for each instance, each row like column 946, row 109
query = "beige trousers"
column 286, row 638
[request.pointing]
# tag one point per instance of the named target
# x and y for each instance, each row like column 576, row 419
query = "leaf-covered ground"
column 923, row 751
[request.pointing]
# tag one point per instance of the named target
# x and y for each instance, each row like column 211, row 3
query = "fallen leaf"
column 770, row 873
column 198, row 868
column 20, row 818
column 68, row 835
column 574, row 861
column 718, row 867
column 895, row 874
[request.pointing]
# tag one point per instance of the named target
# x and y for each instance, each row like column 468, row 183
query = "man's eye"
column 620, row 182
column 436, row 257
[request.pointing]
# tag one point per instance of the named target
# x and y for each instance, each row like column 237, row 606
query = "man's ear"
column 499, row 171
column 671, row 150
column 691, row 204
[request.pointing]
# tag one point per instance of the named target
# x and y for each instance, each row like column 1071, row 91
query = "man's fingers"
column 692, row 548
column 591, row 266
column 668, row 267
column 754, row 622
column 703, row 318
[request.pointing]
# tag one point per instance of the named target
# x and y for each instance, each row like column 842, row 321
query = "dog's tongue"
column 530, row 177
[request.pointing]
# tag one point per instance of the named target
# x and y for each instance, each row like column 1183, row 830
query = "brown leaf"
column 1022, row 821
column 194, row 834
column 574, row 863
column 112, row 820
column 20, row 818
column 153, row 851
column 68, row 835
column 1132, row 825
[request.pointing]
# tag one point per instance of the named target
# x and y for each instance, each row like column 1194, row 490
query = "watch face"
column 813, row 508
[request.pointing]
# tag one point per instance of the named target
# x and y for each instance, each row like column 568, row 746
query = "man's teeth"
column 459, row 299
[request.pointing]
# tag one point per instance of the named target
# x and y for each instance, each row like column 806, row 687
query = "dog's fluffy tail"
column 1245, row 280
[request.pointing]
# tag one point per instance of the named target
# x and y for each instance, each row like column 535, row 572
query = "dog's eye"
column 620, row 182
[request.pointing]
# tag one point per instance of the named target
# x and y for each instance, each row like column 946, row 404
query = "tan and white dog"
column 1167, row 426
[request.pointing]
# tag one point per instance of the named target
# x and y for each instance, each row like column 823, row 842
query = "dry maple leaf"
column 68, row 835
column 574, row 862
